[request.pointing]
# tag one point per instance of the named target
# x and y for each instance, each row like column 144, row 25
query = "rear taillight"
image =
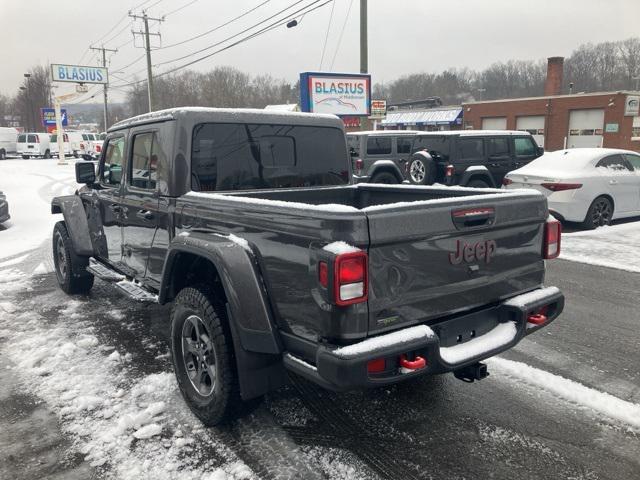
column 350, row 278
column 558, row 187
column 98, row 148
column 376, row 366
column 506, row 181
column 449, row 171
column 359, row 166
column 552, row 235
column 82, row 146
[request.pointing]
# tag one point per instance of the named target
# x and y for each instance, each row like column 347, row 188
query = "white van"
column 65, row 145
column 8, row 139
column 31, row 145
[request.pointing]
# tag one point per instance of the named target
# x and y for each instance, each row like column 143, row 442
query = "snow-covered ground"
column 616, row 246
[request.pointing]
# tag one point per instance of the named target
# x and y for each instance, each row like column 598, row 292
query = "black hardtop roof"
column 230, row 115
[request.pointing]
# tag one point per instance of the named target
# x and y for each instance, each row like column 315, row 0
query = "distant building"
column 427, row 114
column 601, row 119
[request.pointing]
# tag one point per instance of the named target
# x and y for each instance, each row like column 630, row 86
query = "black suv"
column 380, row 156
column 472, row 158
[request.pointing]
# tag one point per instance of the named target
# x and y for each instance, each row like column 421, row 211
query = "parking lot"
column 91, row 390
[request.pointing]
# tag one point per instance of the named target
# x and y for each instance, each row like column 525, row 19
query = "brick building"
column 602, row 119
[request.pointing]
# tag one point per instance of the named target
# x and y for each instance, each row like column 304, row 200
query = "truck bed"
column 412, row 235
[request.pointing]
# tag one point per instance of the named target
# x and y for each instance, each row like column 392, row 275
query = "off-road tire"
column 47, row 154
column 71, row 268
column 599, row 214
column 476, row 183
column 224, row 401
column 384, row 177
column 421, row 171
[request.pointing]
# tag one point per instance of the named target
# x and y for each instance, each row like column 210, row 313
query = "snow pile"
column 616, row 246
column 499, row 336
column 601, row 402
column 127, row 427
column 419, row 332
column 29, row 187
column 339, row 248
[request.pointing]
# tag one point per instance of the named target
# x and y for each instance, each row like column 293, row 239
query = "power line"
column 218, row 27
column 180, row 8
column 112, row 29
column 326, row 37
column 237, row 34
column 344, row 25
column 274, row 25
column 120, row 32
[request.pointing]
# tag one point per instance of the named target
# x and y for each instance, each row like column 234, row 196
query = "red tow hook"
column 537, row 318
column 416, row 364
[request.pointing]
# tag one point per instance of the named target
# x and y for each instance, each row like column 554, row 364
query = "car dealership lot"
column 562, row 404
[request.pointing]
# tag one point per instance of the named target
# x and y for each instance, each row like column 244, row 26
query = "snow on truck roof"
column 231, row 115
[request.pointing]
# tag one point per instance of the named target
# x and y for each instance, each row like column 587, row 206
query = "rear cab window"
column 232, row 156
column 379, row 145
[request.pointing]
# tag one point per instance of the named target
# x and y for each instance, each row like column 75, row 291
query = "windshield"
column 248, row 156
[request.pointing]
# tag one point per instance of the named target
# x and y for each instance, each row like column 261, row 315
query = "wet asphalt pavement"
column 427, row 428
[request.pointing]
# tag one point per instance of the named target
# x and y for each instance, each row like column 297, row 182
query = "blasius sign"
column 78, row 74
column 336, row 93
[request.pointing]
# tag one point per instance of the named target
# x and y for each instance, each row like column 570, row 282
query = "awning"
column 434, row 116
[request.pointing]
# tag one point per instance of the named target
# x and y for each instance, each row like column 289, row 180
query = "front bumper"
column 485, row 332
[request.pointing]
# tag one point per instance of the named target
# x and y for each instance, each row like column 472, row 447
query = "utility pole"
column 364, row 47
column 104, row 64
column 147, row 46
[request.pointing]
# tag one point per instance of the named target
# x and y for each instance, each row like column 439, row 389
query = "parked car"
column 4, row 208
column 472, row 158
column 592, row 186
column 248, row 221
column 32, row 145
column 379, row 156
column 53, row 139
column 8, row 141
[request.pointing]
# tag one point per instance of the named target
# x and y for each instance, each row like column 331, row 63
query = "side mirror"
column 85, row 172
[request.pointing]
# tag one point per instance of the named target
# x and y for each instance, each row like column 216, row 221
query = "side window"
column 85, row 137
column 111, row 171
column 525, row 147
column 379, row 145
column 614, row 162
column 404, row 145
column 144, row 161
column 470, row 148
column 634, row 160
column 498, row 147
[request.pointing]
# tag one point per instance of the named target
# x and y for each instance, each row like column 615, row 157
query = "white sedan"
column 588, row 185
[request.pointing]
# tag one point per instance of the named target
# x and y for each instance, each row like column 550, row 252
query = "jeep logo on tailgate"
column 472, row 252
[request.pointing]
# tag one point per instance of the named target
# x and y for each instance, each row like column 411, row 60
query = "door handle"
column 613, row 182
column 144, row 214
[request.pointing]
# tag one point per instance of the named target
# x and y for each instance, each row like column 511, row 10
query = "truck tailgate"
column 434, row 259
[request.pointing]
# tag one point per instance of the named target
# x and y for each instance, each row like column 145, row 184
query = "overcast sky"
column 405, row 36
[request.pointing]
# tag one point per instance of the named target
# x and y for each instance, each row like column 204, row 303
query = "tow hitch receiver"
column 471, row 373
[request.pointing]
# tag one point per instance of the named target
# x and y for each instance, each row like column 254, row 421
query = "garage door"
column 494, row 123
column 534, row 124
column 585, row 128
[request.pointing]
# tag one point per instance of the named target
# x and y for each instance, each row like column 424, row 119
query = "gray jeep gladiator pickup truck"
column 249, row 223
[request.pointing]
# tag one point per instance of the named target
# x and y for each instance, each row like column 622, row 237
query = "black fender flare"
column 245, row 292
column 75, row 217
column 482, row 173
column 257, row 345
column 385, row 165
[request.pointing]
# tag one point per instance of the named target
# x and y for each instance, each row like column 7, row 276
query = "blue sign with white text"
column 48, row 116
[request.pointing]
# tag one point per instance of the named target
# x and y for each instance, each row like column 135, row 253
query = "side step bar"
column 130, row 288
